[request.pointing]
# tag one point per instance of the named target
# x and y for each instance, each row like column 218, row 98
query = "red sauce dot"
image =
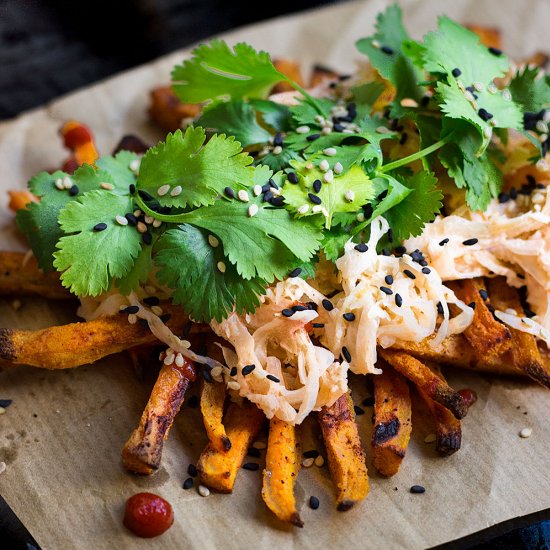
column 148, row 515
column 469, row 396
column 79, row 135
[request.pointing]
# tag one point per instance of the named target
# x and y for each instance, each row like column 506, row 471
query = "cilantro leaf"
column 529, row 90
column 217, row 71
column 236, row 118
column 332, row 195
column 420, row 206
column 202, row 171
column 368, row 93
column 187, row 263
column 394, row 66
column 280, row 161
column 116, row 170
column 305, row 114
column 275, row 115
column 90, row 260
column 139, row 273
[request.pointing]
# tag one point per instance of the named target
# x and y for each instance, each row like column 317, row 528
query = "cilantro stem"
column 416, row 156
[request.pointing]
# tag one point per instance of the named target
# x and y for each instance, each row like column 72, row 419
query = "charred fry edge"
column 418, row 373
column 212, row 401
column 218, row 469
column 346, row 458
column 392, row 421
column 282, row 464
column 142, row 452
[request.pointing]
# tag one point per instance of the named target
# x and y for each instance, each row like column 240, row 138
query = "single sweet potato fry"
column 212, row 402
column 489, row 36
column 321, row 74
column 392, row 421
column 143, row 451
column 19, row 199
column 346, row 458
column 418, row 373
column 218, row 469
column 282, row 463
column 167, row 111
column 292, row 70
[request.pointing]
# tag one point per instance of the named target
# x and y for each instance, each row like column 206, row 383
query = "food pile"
column 283, row 236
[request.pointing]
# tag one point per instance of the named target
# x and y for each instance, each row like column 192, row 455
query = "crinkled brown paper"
column 61, row 438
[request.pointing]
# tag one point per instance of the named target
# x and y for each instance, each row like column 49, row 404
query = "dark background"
column 49, row 48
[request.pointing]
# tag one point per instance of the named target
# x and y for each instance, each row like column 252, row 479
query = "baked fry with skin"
column 392, row 421
column 218, row 469
column 212, row 402
column 289, row 68
column 282, row 464
column 418, row 373
column 346, row 458
column 143, row 451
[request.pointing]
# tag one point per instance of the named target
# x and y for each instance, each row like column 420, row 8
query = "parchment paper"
column 61, row 438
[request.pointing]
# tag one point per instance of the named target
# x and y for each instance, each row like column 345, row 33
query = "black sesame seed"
column 528, row 313
column 132, row 220
column 252, row 466
column 151, row 300
column 368, row 401
column 313, row 137
column 400, row 250
column 5, row 403
column 299, row 308
column 387, row 50
column 313, row 503
column 317, row 184
column 398, row 300
column 253, row 452
column 361, row 247
column 388, row 279
column 73, row 191
column 292, row 177
column 503, row 197
column 193, row 402
column 144, row 195
column 390, row 235
column 440, row 308
column 513, row 193
column 312, row 305
column 425, row 100
column 423, row 263
column 368, row 210
column 266, row 187
column 295, row 272
column 404, row 138
column 358, row 410
column 206, row 375
column 382, row 195
column 318, row 325
column 417, row 256
column 287, row 312
column 540, row 186
column 229, row 192
column 386, row 290
column 247, row 369
column 417, row 489
column 132, row 188
column 314, row 198
column 192, row 470
column 272, row 378
column 346, row 354
column 130, row 310
column 531, row 180
column 268, row 195
column 277, row 201
column 100, row 226
column 327, row 304
column 495, row 51
column 233, row 371
column 469, row 242
column 484, row 114
column 143, row 323
column 278, row 139
column 272, row 183
column 165, row 317
column 147, row 238
column 472, row 305
column 409, row 274
column 386, row 252
column 313, row 453
column 444, row 242
column 426, row 270
column 483, row 294
column 349, row 316
column 456, row 72
column 188, row 483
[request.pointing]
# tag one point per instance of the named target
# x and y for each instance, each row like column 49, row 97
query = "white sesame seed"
column 349, row 195
column 308, row 462
column 132, row 319
column 360, row 217
column 141, row 227
column 303, row 209
column 2, row 410
column 324, row 211
column 203, row 491
column 216, row 372
column 430, row 438
column 233, row 385
column 319, row 461
column 276, row 192
column 537, row 198
column 134, row 165
column 137, row 213
column 542, row 126
column 67, row 182
column 328, row 177
column 543, row 137
column 383, row 130
column 169, row 359
column 329, row 151
column 257, row 190
column 277, row 150
column 157, row 310
column 375, row 44
column 149, row 219
column 324, row 165
column 316, row 209
column 320, row 119
column 309, row 166
column 526, row 432
column 176, row 191
column 243, row 195
column 59, row 184
column 185, row 343
column 546, row 116
column 468, row 95
column 179, row 360
column 221, row 267
column 260, row 445
column 409, row 102
column 107, row 186
column 162, row 190
column 487, row 132
column 2, row 467
column 492, row 89
column 506, row 95
column 479, row 86
column 157, row 223
column 510, row 311
column 121, row 220
column 338, row 168
column 302, row 129
column 326, row 130
column 213, row 241
column 252, row 210
column 493, row 122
